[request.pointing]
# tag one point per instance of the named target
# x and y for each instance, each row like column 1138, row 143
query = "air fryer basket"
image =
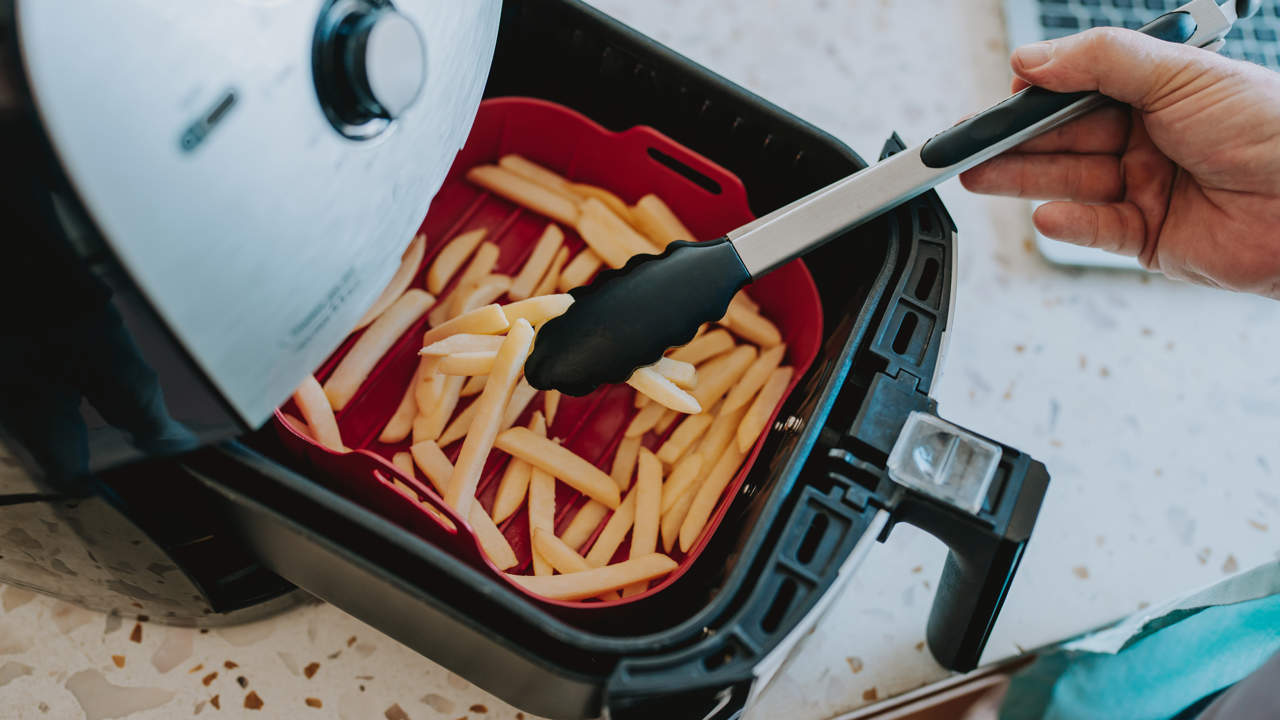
column 818, row 490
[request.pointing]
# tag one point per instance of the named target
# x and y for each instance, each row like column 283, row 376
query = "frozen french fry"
column 703, row 347
column 644, row 532
column 719, row 374
column 520, row 399
column 640, row 400
column 428, row 388
column 550, row 404
column 644, row 420
column 463, row 343
column 458, row 426
column 688, row 431
column 550, row 281
column 611, row 201
column 609, row 235
column 524, row 192
column 492, row 541
column 438, row 416
column 751, row 326
column 450, row 259
column 316, row 410
column 708, row 494
column 431, row 460
column 409, row 262
column 474, row 384
column 403, row 462
column 583, row 523
column 539, row 261
column 561, row 463
column 597, row 581
column 665, row 421
column 481, row 265
column 538, row 310
column 610, row 538
column 515, row 479
column 624, row 461
column 754, row 378
column 580, row 270
column 487, row 320
column 722, row 433
column 482, row 292
column 683, row 374
column 663, row 391
column 757, row 417
column 563, row 558
column 683, row 477
column 467, row 363
column 743, row 299
column 653, row 218
column 673, row 518
column 542, row 513
column 401, row 421
column 486, row 422
column 539, row 174
column 372, row 345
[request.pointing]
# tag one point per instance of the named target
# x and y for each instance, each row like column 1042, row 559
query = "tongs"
column 628, row 317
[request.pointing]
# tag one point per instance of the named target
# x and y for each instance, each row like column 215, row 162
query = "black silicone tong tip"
column 628, row 317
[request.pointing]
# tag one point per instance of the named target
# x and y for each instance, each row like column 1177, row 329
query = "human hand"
column 1185, row 175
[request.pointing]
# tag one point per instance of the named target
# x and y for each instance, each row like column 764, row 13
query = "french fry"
column 611, row 201
column 718, row 375
column 609, row 235
column 481, row 265
column 520, row 399
column 463, row 343
column 485, row 424
column 474, row 384
column 560, row 462
column 403, row 462
column 683, row 477
column 401, row 421
column 644, row 533
column 298, row 424
column 663, row 391
column 753, row 423
column 704, row 502
column 468, row 363
column 482, row 292
column 487, row 320
column 538, row 310
column 614, row 531
column 418, row 432
column 315, row 408
column 579, row 270
column 439, row 415
column 431, row 460
column 409, row 262
column 515, row 479
column 653, row 218
column 550, row 404
column 492, row 541
column 751, row 326
column 525, row 193
column 544, row 252
column 665, row 421
column 584, row 522
column 428, row 388
column 674, row 518
column 754, row 378
column 683, row 374
column 539, row 174
column 597, row 581
column 563, row 558
column 689, row 430
column 703, row 347
column 742, row 298
column 551, row 280
column 450, row 259
column 624, row 461
column 542, row 513
column 721, row 434
column 372, row 345
column 644, row 420
column 640, row 400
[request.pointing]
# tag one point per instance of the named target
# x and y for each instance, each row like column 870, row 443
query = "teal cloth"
column 1169, row 663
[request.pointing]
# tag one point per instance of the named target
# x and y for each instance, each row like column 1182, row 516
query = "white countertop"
column 1156, row 407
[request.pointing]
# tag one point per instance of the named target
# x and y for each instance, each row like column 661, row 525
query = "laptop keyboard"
column 1256, row 39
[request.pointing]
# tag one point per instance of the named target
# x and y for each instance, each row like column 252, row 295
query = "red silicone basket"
column 708, row 198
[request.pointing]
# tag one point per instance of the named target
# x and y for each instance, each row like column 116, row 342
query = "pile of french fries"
column 717, row 392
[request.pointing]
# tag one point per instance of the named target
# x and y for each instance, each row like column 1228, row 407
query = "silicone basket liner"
column 708, row 198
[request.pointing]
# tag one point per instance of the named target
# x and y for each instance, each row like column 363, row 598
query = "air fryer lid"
column 258, row 166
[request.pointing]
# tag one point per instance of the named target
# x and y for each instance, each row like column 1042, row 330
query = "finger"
column 1115, row 227
column 1129, row 66
column 1084, row 178
column 1018, row 84
column 1105, row 130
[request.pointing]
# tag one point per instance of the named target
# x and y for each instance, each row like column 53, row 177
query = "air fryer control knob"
column 370, row 64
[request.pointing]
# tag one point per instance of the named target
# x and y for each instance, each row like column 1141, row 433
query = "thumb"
column 1129, row 66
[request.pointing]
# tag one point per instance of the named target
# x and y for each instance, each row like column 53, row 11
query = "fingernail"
column 1034, row 55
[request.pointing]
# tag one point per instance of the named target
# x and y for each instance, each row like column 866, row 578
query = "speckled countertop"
column 1155, row 405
